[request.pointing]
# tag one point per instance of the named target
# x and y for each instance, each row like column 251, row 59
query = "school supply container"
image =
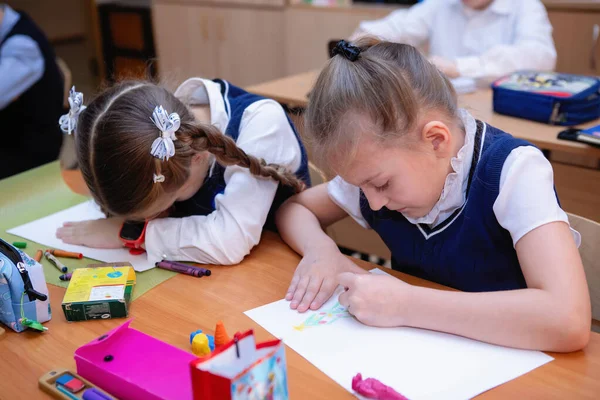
column 131, row 365
column 548, row 97
column 23, row 290
column 99, row 293
column 242, row 369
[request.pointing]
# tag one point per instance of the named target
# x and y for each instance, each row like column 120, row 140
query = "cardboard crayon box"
column 101, row 292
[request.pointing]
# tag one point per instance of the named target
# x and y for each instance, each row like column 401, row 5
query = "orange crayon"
column 221, row 336
column 38, row 255
column 65, row 254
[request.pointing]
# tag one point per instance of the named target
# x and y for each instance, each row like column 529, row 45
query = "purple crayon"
column 181, row 268
column 205, row 272
column 65, row 277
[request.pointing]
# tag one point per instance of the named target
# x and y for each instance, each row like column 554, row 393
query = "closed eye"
column 382, row 188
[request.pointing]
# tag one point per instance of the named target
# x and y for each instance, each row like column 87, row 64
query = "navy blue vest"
column 29, row 125
column 203, row 202
column 469, row 251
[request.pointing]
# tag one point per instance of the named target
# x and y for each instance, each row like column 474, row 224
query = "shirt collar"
column 501, row 6
column 497, row 6
column 218, row 113
column 454, row 193
column 11, row 17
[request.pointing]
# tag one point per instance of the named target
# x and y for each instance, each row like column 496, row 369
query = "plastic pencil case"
column 23, row 290
column 552, row 98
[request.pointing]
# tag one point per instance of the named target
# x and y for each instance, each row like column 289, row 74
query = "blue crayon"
column 61, row 267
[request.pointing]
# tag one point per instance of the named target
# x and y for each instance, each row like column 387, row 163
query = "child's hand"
column 315, row 278
column 448, row 67
column 376, row 300
column 99, row 233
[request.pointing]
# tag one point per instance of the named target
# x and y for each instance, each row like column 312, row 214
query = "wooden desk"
column 293, row 91
column 183, row 304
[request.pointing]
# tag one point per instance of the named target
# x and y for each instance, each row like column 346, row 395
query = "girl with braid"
column 204, row 179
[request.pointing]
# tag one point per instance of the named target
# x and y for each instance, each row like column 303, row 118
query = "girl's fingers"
column 299, row 293
column 327, row 289
column 292, row 289
column 311, row 292
column 64, row 232
column 344, row 299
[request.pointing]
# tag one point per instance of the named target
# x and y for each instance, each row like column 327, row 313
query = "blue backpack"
column 23, row 290
column 552, row 98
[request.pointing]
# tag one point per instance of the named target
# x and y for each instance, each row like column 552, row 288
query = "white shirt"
column 526, row 198
column 227, row 235
column 507, row 36
column 21, row 60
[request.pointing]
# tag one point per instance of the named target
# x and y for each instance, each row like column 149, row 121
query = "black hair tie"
column 347, row 50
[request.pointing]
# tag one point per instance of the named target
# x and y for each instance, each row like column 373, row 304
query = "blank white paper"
column 43, row 231
column 419, row 364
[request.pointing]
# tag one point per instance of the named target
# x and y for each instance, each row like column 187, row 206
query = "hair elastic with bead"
column 68, row 122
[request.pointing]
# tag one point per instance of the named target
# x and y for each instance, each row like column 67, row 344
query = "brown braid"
column 205, row 137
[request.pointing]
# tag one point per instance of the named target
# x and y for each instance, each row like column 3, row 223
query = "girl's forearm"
column 301, row 229
column 526, row 318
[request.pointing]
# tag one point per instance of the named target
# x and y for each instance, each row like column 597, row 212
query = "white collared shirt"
column 507, row 36
column 526, row 199
column 227, row 235
column 21, row 60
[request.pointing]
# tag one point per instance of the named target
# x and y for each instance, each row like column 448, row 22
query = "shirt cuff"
column 469, row 67
column 157, row 244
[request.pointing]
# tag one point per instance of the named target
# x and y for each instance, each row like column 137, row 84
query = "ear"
column 438, row 138
column 199, row 157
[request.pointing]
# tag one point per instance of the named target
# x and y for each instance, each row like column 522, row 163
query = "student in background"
column 31, row 95
column 214, row 159
column 480, row 39
column 457, row 201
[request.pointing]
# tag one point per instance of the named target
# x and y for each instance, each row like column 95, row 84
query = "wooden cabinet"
column 185, row 42
column 249, row 45
column 309, row 29
column 577, row 48
column 241, row 45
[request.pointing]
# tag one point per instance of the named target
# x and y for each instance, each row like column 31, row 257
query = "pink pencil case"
column 129, row 364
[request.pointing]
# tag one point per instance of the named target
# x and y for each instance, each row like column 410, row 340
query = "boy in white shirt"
column 480, row 39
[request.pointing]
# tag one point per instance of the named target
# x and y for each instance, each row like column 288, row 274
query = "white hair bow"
column 163, row 146
column 68, row 122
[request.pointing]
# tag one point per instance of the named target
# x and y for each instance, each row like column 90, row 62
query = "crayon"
column 66, row 277
column 93, row 394
column 38, row 256
column 56, row 263
column 205, row 272
column 183, row 269
column 65, row 254
column 20, row 245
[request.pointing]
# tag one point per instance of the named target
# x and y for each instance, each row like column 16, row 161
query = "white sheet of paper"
column 420, row 364
column 43, row 231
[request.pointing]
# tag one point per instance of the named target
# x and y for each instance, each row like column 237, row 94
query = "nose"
column 376, row 200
